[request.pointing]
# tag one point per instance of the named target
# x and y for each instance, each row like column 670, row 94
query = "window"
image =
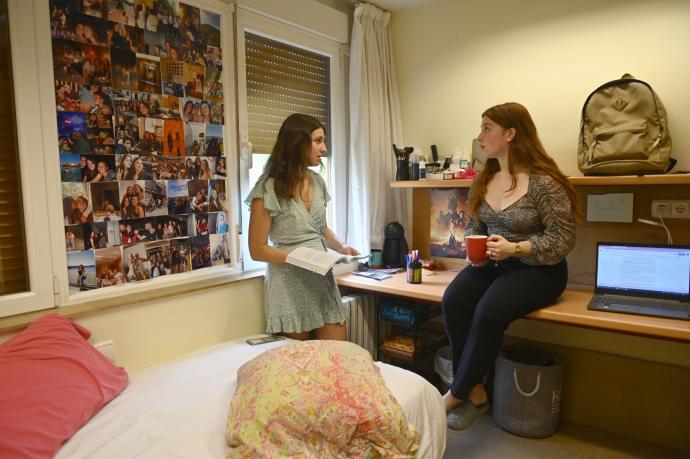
column 14, row 275
column 71, row 52
column 284, row 70
column 25, row 256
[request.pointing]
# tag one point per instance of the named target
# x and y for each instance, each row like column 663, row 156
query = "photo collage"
column 140, row 120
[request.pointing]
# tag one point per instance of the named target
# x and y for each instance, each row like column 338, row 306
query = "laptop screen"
column 643, row 270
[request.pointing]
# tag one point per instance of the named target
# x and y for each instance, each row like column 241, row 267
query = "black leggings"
column 481, row 302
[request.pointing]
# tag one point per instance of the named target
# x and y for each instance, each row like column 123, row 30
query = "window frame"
column 25, row 81
column 250, row 20
column 52, row 195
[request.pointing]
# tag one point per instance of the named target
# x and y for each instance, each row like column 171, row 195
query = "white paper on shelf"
column 610, row 207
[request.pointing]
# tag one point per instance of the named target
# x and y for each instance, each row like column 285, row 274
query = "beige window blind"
column 281, row 80
column 13, row 268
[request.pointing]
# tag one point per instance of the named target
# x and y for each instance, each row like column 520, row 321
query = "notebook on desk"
column 645, row 279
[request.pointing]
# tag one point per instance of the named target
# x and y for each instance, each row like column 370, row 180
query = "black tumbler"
column 403, row 171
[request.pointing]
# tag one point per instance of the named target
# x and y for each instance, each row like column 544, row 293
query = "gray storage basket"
column 527, row 391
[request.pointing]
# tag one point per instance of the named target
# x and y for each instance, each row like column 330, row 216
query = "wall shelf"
column 662, row 179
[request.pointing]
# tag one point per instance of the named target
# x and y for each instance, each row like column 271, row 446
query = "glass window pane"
column 13, row 268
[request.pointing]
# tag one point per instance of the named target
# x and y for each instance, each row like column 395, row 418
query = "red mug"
column 476, row 248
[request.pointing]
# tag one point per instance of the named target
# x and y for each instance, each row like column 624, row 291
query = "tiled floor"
column 485, row 439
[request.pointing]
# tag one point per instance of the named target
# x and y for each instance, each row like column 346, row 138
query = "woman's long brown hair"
column 289, row 161
column 526, row 151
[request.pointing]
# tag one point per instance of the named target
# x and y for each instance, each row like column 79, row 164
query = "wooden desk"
column 571, row 308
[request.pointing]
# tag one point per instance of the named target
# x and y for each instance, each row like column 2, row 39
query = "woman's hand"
column 347, row 250
column 498, row 247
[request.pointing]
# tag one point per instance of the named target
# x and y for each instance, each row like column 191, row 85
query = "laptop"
column 643, row 279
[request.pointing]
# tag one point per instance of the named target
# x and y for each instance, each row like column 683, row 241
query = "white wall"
column 149, row 333
column 455, row 58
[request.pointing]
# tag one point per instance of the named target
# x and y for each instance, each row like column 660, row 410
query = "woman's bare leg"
column 477, row 397
column 300, row 336
column 336, row 332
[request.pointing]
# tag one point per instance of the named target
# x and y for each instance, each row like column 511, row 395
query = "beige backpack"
column 624, row 130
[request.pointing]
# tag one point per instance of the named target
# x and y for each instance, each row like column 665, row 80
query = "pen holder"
column 403, row 170
column 414, row 272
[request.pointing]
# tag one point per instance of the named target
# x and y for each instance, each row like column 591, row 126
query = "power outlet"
column 661, row 209
column 680, row 209
column 671, row 208
column 107, row 348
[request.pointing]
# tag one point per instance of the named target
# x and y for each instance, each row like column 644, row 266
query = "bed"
column 179, row 409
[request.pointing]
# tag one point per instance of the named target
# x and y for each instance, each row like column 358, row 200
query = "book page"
column 314, row 260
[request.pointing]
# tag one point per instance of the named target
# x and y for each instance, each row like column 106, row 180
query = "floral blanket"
column 320, row 399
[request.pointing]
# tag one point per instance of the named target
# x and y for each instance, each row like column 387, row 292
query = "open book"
column 318, row 261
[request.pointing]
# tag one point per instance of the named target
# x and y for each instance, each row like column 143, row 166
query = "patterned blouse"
column 542, row 216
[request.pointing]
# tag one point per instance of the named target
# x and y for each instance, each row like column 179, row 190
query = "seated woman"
column 527, row 208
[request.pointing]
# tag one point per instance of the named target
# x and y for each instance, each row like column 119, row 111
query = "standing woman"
column 527, row 208
column 288, row 203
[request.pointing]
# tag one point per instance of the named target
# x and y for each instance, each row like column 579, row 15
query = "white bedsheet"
column 179, row 409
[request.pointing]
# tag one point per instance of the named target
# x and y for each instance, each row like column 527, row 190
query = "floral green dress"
column 298, row 300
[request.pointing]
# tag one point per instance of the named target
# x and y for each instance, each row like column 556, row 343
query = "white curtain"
column 374, row 126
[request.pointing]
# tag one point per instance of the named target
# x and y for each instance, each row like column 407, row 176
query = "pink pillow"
column 51, row 382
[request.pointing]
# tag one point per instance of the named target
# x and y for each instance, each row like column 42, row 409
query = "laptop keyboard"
column 644, row 303
column 641, row 306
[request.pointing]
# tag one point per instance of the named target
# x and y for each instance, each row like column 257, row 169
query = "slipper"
column 462, row 416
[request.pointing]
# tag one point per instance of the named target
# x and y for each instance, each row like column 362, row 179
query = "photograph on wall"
column 170, row 107
column 174, row 226
column 210, row 28
column 214, row 140
column 170, row 168
column 95, row 235
column 198, row 195
column 74, row 238
column 106, row 201
column 139, row 108
column 191, row 110
column 220, row 249
column 81, row 271
column 96, row 65
column 70, row 167
column 201, row 224
column 109, row 267
column 222, row 223
column 448, row 213
column 181, row 255
column 155, row 198
column 216, row 193
column 158, row 256
column 76, row 203
column 72, row 133
column 201, row 252
column 67, row 95
column 98, row 168
column 124, row 67
column 220, row 171
column 173, row 138
column 195, row 137
column 68, row 62
column 135, row 263
column 121, row 11
column 132, row 198
column 149, row 74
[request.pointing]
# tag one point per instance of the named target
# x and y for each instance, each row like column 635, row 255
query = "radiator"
column 361, row 326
